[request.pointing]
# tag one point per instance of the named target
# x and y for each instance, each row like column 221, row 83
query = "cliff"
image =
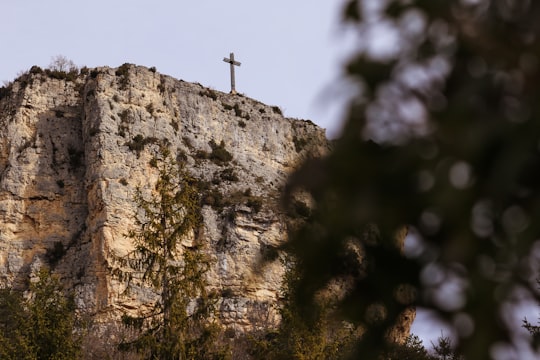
column 74, row 148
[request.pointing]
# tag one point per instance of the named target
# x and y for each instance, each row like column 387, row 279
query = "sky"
column 291, row 51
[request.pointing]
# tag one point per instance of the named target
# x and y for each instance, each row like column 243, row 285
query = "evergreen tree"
column 170, row 258
column 42, row 327
column 318, row 334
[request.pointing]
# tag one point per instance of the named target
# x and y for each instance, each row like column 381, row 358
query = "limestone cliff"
column 74, row 148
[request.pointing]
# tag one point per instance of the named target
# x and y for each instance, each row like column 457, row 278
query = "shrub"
column 62, row 75
column 214, row 198
column 124, row 116
column 42, row 326
column 227, row 106
column 138, row 143
column 54, row 254
column 201, row 154
column 36, row 70
column 150, row 108
column 277, row 110
column 123, row 73
column 4, row 91
column 61, row 68
column 209, row 93
column 299, row 143
column 255, row 203
column 228, row 175
column 219, row 154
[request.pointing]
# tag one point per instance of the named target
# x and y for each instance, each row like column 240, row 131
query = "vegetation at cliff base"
column 41, row 327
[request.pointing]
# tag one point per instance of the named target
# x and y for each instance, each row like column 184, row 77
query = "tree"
column 319, row 336
column 170, row 258
column 60, row 63
column 41, row 327
column 442, row 139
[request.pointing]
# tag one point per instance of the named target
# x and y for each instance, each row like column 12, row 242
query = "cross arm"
column 234, row 62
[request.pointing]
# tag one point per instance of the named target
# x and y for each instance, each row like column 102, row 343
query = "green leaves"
column 169, row 257
column 41, row 327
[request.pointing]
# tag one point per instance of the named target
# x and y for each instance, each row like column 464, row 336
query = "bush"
column 139, row 142
column 150, row 108
column 299, row 143
column 60, row 68
column 40, row 327
column 54, row 254
column 4, row 91
column 228, row 175
column 219, row 154
column 209, row 93
column 277, row 110
column 123, row 73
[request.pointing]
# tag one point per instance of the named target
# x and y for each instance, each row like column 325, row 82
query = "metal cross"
column 233, row 63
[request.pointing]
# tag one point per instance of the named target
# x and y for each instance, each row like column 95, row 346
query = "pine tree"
column 169, row 257
column 41, row 327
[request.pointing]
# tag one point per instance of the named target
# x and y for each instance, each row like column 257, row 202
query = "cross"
column 233, row 63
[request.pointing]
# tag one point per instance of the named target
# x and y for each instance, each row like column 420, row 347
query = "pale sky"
column 291, row 51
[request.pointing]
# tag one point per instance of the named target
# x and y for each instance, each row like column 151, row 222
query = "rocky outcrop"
column 74, row 148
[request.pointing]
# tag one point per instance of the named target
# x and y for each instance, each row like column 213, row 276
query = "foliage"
column 442, row 139
column 413, row 349
column 228, row 174
column 277, row 110
column 123, row 72
column 219, row 154
column 209, row 93
column 41, row 327
column 317, row 336
column 55, row 253
column 299, row 143
column 60, row 68
column 139, row 142
column 180, row 325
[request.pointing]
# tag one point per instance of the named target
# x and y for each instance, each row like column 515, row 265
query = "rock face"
column 73, row 149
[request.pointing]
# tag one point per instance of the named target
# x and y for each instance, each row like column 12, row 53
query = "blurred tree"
column 443, row 139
